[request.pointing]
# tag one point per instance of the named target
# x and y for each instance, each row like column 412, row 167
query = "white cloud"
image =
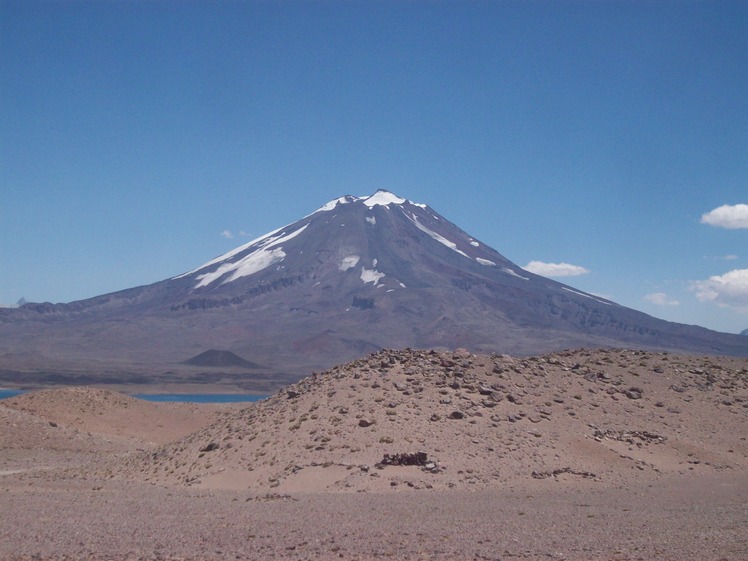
column 730, row 257
column 661, row 299
column 227, row 234
column 727, row 216
column 555, row 269
column 727, row 291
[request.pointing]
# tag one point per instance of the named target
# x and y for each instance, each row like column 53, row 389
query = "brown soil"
column 114, row 414
column 610, row 454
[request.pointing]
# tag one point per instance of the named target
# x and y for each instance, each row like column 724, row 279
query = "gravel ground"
column 684, row 518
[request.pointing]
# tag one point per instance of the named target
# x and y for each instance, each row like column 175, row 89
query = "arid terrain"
column 605, row 454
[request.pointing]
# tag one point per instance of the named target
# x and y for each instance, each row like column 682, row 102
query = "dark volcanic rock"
column 210, row 447
column 215, row 358
column 405, row 459
column 634, row 393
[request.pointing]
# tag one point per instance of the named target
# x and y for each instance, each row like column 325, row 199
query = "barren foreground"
column 578, row 455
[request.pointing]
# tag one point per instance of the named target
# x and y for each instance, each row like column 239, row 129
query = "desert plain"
column 608, row 454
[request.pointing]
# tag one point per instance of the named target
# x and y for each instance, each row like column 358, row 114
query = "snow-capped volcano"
column 268, row 251
column 356, row 275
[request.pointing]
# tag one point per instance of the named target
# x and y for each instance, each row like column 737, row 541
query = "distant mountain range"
column 357, row 275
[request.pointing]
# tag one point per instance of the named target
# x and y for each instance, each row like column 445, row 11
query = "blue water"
column 178, row 397
column 199, row 397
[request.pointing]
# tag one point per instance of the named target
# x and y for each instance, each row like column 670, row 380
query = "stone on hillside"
column 634, row 393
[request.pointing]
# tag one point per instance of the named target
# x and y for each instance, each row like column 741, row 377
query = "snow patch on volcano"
column 334, row 203
column 267, row 254
column 508, row 271
column 370, row 275
column 348, row 262
column 266, row 238
column 256, row 262
column 586, row 295
column 441, row 239
column 383, row 198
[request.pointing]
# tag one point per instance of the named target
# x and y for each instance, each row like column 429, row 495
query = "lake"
column 199, row 397
column 175, row 397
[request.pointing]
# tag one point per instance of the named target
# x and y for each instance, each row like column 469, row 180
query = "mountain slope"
column 357, row 275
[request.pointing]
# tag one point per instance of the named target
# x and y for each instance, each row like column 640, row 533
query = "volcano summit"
column 357, row 275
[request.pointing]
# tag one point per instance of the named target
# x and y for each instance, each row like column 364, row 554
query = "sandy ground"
column 579, row 455
column 692, row 518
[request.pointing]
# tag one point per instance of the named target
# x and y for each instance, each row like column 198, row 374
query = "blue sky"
column 141, row 139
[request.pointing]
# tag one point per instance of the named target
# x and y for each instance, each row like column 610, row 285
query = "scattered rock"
column 634, row 393
column 560, row 471
column 630, row 437
column 405, row 459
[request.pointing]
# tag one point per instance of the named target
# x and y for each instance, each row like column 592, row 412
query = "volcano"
column 357, row 275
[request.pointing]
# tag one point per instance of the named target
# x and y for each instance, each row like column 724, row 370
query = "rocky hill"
column 440, row 420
